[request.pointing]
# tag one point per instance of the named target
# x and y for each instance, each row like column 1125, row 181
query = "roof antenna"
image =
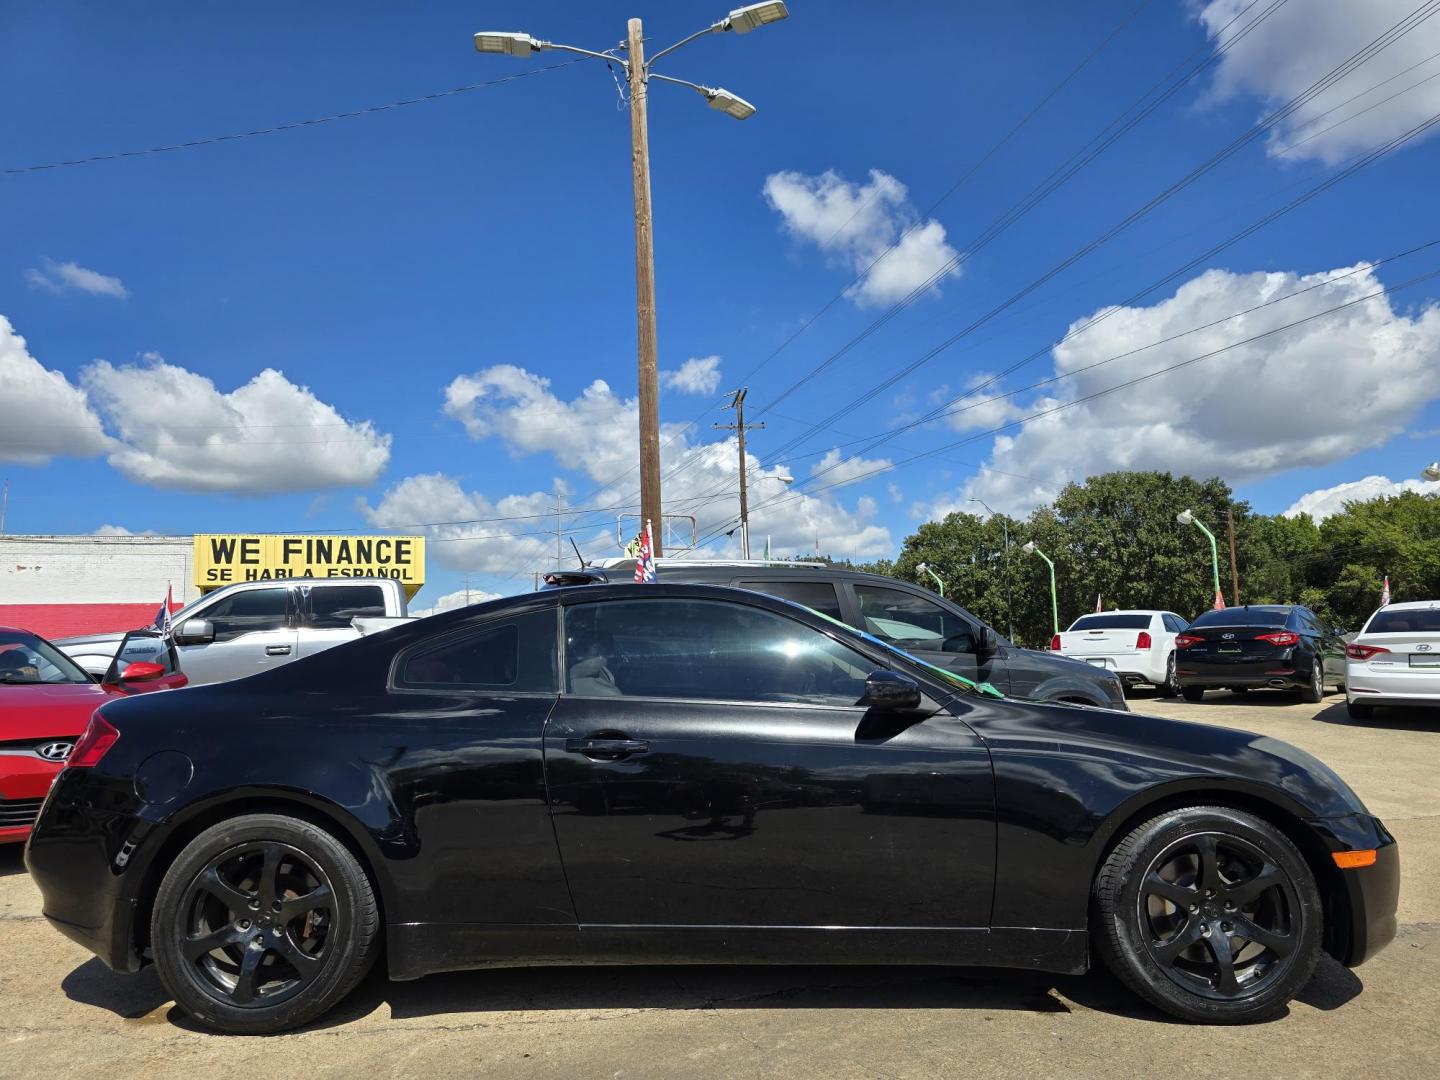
column 583, row 564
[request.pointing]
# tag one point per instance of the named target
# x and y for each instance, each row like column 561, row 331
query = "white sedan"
column 1395, row 659
column 1139, row 646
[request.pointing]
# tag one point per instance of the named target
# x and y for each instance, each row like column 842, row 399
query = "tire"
column 1165, row 938
column 1314, row 691
column 1171, row 686
column 1193, row 693
column 1359, row 710
column 276, row 963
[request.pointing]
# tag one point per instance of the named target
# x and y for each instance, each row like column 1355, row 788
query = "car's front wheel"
column 1193, row 693
column 262, row 923
column 1210, row 914
column 1359, row 710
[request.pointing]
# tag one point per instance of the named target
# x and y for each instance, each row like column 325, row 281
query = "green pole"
column 1214, row 552
column 1054, row 594
column 939, row 584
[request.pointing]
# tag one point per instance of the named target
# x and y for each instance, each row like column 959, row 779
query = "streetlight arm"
column 711, row 29
column 1214, row 551
column 609, row 58
column 705, row 91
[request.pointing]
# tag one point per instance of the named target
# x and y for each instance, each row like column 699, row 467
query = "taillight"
column 1280, row 637
column 1184, row 641
column 90, row 747
column 1055, row 643
column 1142, row 639
column 1364, row 652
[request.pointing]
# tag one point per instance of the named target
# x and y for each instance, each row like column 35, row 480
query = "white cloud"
column 60, row 277
column 42, row 415
column 451, row 601
column 1328, row 501
column 1308, row 396
column 983, row 409
column 595, row 435
column 121, row 530
column 836, row 470
column 856, row 223
column 698, row 375
column 1284, row 55
column 177, row 430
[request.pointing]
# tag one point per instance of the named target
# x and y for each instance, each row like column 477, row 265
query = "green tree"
column 1396, row 536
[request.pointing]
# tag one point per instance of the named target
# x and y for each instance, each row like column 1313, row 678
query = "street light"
column 1005, row 529
column 1431, row 471
column 924, row 568
column 1029, row 548
column 638, row 74
column 1187, row 517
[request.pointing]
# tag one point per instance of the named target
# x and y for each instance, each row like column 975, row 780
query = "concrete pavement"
column 63, row 1013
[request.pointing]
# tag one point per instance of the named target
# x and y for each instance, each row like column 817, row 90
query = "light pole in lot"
column 1029, row 548
column 924, row 568
column 1431, row 471
column 638, row 74
column 1005, row 531
column 1187, row 517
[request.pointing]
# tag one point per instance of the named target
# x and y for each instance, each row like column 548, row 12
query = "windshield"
column 939, row 672
column 25, row 658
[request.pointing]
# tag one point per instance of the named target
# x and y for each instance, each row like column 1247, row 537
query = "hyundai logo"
column 1228, row 637
column 1422, row 648
column 55, row 751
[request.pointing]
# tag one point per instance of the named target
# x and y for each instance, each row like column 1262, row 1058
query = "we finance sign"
column 222, row 559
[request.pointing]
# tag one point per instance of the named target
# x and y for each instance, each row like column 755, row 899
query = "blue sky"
column 423, row 270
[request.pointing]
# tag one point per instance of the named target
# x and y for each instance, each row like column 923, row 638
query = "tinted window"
column 333, row 606
column 514, row 656
column 911, row 622
column 1244, row 616
column 1405, row 621
column 817, row 595
column 1174, row 623
column 247, row 612
column 705, row 649
column 1111, row 622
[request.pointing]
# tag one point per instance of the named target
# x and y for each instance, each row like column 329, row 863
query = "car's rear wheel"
column 1210, row 914
column 262, row 923
column 1359, row 710
column 1314, row 691
column 1171, row 686
column 1193, row 693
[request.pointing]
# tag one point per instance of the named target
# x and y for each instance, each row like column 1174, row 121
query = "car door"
column 254, row 632
column 934, row 632
column 708, row 766
column 327, row 612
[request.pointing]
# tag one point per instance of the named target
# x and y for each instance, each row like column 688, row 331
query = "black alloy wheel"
column 262, row 923
column 1314, row 691
column 1209, row 913
column 1171, row 687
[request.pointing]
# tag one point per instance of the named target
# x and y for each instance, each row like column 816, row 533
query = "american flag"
column 645, row 560
column 162, row 617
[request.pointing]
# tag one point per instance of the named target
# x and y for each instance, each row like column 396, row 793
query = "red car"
column 46, row 701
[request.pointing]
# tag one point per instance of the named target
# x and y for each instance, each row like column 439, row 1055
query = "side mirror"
column 987, row 644
column 142, row 671
column 890, row 691
column 194, row 632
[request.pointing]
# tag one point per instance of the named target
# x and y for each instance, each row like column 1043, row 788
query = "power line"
column 292, row 126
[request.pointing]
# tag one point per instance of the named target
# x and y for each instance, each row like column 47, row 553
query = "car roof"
column 1411, row 605
column 1126, row 611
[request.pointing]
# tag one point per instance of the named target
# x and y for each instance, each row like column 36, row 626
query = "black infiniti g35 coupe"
column 687, row 774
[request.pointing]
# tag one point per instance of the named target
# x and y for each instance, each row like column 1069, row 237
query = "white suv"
column 1395, row 659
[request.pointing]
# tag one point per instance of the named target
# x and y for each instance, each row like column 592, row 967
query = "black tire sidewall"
column 1118, row 932
column 1171, row 688
column 353, row 929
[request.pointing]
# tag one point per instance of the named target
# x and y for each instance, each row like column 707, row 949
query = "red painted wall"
column 69, row 620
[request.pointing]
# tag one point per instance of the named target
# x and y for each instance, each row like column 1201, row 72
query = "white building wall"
column 95, row 569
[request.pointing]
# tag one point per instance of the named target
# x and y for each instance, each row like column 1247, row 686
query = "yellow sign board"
column 223, row 559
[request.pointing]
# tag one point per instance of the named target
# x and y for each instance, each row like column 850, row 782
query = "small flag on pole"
column 1385, row 593
column 645, row 560
column 1219, row 600
column 162, row 617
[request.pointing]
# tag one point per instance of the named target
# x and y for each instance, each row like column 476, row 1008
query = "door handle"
column 606, row 748
column 277, row 650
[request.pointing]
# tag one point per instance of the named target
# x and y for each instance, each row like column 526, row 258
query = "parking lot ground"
column 62, row 1013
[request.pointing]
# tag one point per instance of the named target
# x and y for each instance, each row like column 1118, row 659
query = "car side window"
column 333, row 606
column 1306, row 621
column 248, row 612
column 1175, row 624
column 911, row 622
column 707, row 650
column 511, row 656
column 817, row 595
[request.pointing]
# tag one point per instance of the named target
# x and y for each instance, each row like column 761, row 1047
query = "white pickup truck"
column 250, row 627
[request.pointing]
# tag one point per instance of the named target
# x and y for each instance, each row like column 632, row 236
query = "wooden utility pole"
column 739, row 427
column 644, row 285
column 1234, row 566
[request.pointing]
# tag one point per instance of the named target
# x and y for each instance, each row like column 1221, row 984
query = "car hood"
column 90, row 639
column 1176, row 750
column 34, row 712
